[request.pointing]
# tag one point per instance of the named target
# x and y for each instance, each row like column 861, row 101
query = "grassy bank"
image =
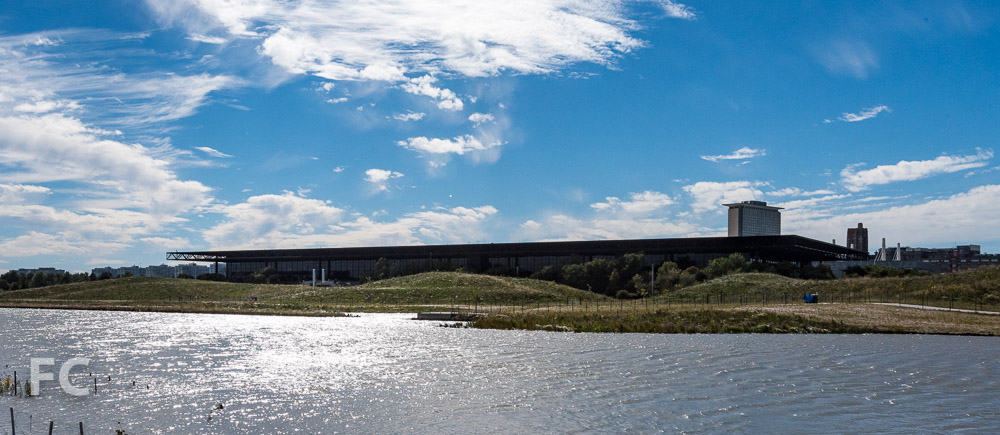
column 734, row 303
column 427, row 291
column 974, row 289
column 794, row 318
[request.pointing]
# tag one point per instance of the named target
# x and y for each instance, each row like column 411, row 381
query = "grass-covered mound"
column 143, row 289
column 411, row 293
column 452, row 288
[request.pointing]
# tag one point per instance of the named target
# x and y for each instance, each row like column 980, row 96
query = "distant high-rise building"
column 857, row 238
column 753, row 218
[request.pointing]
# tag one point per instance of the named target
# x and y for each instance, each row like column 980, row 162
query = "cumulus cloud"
column 559, row 227
column 19, row 193
column 409, row 116
column 744, row 153
column 459, row 145
column 858, row 180
column 848, row 57
column 447, row 100
column 379, row 178
column 710, row 195
column 638, row 203
column 934, row 223
column 289, row 221
column 133, row 177
column 479, row 118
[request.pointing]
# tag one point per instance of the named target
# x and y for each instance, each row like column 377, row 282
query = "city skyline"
column 127, row 131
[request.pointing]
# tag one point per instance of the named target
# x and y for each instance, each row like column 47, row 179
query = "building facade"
column 962, row 257
column 753, row 218
column 857, row 238
column 353, row 264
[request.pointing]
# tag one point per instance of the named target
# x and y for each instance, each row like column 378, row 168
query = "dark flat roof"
column 774, row 248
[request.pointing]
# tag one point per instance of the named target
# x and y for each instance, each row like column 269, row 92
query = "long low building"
column 352, row 264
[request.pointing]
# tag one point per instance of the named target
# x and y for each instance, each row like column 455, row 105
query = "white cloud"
column 479, row 118
column 848, row 57
column 868, row 113
column 710, row 195
column 447, row 100
column 207, row 39
column 339, row 169
column 409, row 116
column 45, row 106
column 167, row 243
column 44, row 79
column 638, row 203
column 935, row 223
column 394, row 41
column 795, row 191
column 559, row 227
column 35, row 243
column 213, row 152
column 336, row 100
column 677, row 10
column 379, row 178
column 459, row 145
column 856, row 181
column 20, row 193
column 744, row 153
column 288, row 221
column 133, row 177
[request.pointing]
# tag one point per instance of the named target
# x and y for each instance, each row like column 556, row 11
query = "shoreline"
column 833, row 318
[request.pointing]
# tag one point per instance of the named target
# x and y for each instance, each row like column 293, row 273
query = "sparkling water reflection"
column 385, row 373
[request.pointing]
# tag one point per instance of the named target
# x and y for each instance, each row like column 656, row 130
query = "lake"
column 386, row 373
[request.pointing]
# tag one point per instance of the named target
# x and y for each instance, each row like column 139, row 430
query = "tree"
column 4, row 285
column 184, row 276
column 382, row 270
column 38, row 280
column 667, row 276
column 726, row 265
column 641, row 285
column 549, row 273
column 212, row 277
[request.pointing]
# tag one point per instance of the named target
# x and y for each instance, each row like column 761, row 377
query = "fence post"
column 13, row 430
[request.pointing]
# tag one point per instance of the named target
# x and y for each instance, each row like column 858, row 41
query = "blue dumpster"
column 811, row 299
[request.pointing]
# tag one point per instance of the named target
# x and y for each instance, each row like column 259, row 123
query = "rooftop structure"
column 753, row 218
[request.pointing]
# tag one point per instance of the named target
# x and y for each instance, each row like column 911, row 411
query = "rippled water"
column 384, row 373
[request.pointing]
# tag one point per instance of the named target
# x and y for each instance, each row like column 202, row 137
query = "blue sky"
column 128, row 129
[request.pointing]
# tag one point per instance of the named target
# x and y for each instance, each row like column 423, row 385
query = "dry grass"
column 893, row 319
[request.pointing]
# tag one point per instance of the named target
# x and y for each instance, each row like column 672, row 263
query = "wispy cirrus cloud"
column 858, row 180
column 745, row 153
column 213, row 152
column 864, row 114
column 849, row 57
